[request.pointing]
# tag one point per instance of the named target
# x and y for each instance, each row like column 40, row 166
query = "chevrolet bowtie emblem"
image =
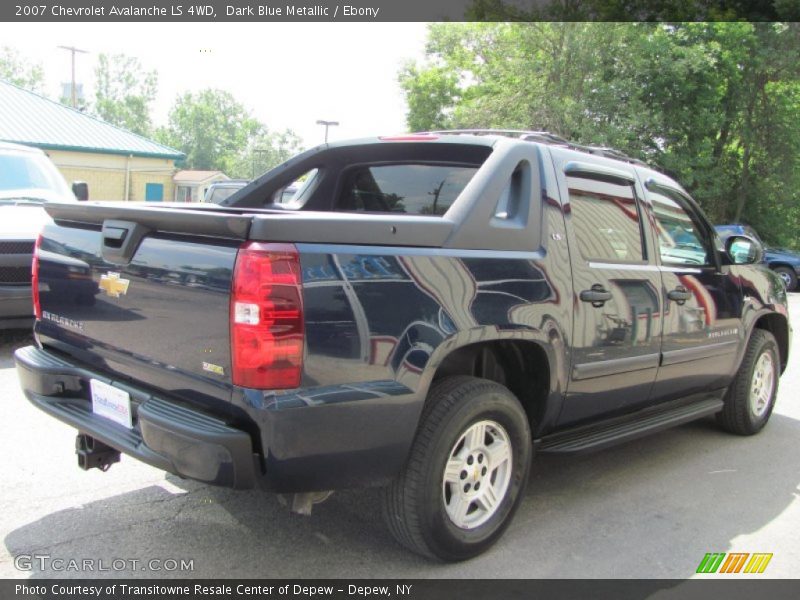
column 114, row 285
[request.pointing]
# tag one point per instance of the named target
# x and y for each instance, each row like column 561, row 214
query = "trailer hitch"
column 94, row 454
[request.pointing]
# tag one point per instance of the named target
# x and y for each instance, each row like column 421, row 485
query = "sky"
column 289, row 75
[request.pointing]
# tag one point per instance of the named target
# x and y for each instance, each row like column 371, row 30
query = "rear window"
column 412, row 189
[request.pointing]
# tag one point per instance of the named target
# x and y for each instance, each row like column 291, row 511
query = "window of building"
column 183, row 193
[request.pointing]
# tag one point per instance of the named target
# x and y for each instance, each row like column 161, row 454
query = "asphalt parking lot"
column 648, row 509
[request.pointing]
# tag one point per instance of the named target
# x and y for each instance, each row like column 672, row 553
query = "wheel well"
column 521, row 366
column 776, row 324
column 775, row 265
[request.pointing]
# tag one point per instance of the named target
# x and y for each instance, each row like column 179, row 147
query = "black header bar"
column 410, row 589
column 394, row 10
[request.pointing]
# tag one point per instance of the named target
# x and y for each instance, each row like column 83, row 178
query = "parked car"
column 426, row 311
column 783, row 261
column 219, row 191
column 222, row 192
column 28, row 180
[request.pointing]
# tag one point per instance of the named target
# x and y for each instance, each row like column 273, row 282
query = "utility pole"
column 435, row 193
column 327, row 124
column 73, row 50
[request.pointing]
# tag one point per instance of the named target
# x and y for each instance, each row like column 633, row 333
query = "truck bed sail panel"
column 350, row 228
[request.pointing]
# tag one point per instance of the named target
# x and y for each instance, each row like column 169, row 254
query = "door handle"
column 679, row 295
column 121, row 240
column 598, row 295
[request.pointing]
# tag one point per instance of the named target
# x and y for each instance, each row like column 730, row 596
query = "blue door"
column 154, row 192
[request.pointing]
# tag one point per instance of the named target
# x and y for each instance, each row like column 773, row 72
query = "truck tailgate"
column 159, row 315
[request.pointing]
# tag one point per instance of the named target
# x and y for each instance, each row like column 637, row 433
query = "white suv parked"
column 28, row 179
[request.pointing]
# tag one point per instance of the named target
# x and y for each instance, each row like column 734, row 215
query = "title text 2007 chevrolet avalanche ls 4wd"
column 421, row 314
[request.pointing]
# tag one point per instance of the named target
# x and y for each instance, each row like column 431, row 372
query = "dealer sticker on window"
column 111, row 403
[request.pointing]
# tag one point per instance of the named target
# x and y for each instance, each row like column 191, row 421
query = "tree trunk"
column 741, row 196
column 725, row 129
column 747, row 144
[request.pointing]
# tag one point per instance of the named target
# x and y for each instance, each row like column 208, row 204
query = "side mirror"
column 81, row 190
column 743, row 250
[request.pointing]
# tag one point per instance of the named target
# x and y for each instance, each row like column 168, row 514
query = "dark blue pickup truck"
column 420, row 313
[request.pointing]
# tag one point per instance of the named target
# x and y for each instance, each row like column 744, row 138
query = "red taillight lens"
column 37, row 305
column 267, row 317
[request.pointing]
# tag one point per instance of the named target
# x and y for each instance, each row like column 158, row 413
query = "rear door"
column 617, row 303
column 702, row 299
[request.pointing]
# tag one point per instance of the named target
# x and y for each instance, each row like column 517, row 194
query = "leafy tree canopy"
column 125, row 92
column 216, row 132
column 265, row 149
column 715, row 104
column 19, row 71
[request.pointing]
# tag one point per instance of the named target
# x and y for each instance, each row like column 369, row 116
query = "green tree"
column 17, row 70
column 429, row 93
column 217, row 132
column 626, row 10
column 265, row 149
column 715, row 104
column 125, row 92
column 211, row 128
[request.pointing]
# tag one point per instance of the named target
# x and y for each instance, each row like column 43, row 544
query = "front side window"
column 413, row 189
column 605, row 216
column 680, row 237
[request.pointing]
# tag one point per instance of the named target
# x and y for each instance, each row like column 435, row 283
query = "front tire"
column 751, row 397
column 468, row 467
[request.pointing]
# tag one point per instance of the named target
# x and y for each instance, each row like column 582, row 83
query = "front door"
column 154, row 192
column 617, row 300
column 702, row 299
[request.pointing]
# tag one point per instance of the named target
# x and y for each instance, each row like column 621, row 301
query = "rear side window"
column 412, row 189
column 606, row 220
column 296, row 193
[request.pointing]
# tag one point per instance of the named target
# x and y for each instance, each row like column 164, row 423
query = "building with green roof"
column 117, row 164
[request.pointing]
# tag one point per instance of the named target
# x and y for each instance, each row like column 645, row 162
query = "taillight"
column 37, row 305
column 267, row 317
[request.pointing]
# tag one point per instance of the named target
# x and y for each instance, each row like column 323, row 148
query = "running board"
column 622, row 429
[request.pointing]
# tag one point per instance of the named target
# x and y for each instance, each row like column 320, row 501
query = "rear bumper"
column 166, row 435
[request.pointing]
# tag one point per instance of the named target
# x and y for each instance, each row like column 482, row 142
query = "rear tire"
column 466, row 472
column 789, row 277
column 751, row 397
